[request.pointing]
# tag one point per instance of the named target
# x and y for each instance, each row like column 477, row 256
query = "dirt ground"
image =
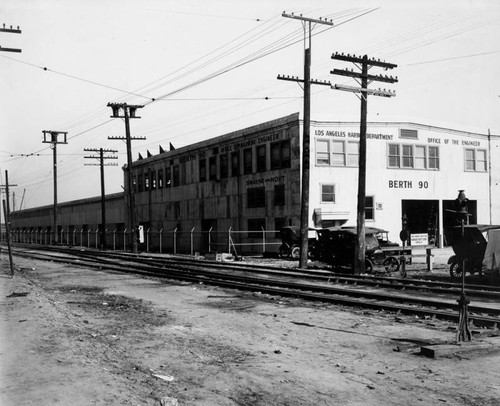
column 72, row 336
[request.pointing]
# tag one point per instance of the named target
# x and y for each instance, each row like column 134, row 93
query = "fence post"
column 96, row 235
column 160, row 239
column 147, row 239
column 114, row 239
column 428, row 257
column 124, row 239
column 210, row 239
column 175, row 241
column 192, row 231
column 263, row 241
column 229, row 240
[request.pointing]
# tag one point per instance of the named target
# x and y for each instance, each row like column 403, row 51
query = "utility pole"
column 125, row 111
column 304, row 206
column 363, row 80
column 52, row 137
column 101, row 158
column 6, row 214
column 12, row 31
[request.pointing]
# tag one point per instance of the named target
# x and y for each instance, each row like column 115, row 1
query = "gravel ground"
column 72, row 336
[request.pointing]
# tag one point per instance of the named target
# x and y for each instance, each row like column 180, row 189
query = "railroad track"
column 429, row 299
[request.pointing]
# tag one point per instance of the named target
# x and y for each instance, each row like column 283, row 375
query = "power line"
column 45, row 69
column 452, row 58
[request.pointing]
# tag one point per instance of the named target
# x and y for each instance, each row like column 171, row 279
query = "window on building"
column 256, row 197
column 183, row 173
column 433, row 158
column 202, row 170
column 338, row 153
column 235, row 163
column 475, row 160
column 140, row 185
column 168, row 177
column 146, row 182
column 223, row 166
column 481, row 161
column 327, row 193
column 134, row 183
column 352, row 153
column 286, row 156
column 394, row 156
column 369, row 208
column 343, row 153
column 420, row 159
column 247, row 161
column 407, row 156
column 176, row 177
column 153, row 179
column 280, row 155
column 322, row 152
column 160, row 178
column 261, row 158
column 212, row 168
column 279, row 195
column 255, row 226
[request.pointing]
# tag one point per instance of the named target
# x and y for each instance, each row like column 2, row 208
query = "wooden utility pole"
column 304, row 206
column 54, row 140
column 101, row 158
column 125, row 111
column 6, row 214
column 363, row 79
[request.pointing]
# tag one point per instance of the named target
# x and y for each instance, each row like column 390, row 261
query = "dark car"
column 337, row 247
column 469, row 244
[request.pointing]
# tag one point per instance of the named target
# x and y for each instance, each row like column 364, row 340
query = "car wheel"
column 391, row 264
column 295, row 254
column 368, row 266
column 455, row 270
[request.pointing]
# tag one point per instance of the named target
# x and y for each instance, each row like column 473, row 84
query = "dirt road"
column 71, row 336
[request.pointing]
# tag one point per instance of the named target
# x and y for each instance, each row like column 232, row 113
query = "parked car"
column 290, row 243
column 470, row 245
column 337, row 247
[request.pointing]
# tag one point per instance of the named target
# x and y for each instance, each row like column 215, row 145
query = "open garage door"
column 422, row 217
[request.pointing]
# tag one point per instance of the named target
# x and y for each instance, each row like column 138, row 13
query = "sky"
column 206, row 68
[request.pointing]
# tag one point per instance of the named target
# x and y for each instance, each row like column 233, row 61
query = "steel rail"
column 406, row 304
column 473, row 290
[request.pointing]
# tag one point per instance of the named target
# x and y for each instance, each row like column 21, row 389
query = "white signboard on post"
column 419, row 239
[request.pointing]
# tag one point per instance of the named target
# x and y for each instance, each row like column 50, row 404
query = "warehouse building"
column 249, row 180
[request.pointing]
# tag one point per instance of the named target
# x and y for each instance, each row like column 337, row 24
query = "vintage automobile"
column 337, row 246
column 290, row 243
column 476, row 248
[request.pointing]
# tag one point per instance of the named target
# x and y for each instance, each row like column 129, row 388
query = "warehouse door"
column 422, row 217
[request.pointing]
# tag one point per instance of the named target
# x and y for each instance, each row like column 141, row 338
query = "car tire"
column 295, row 253
column 455, row 270
column 391, row 264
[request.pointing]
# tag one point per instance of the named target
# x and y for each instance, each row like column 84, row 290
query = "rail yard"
column 159, row 329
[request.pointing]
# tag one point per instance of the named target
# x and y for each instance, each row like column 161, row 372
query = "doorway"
column 422, row 217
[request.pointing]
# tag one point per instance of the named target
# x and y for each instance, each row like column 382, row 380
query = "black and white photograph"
column 249, row 203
